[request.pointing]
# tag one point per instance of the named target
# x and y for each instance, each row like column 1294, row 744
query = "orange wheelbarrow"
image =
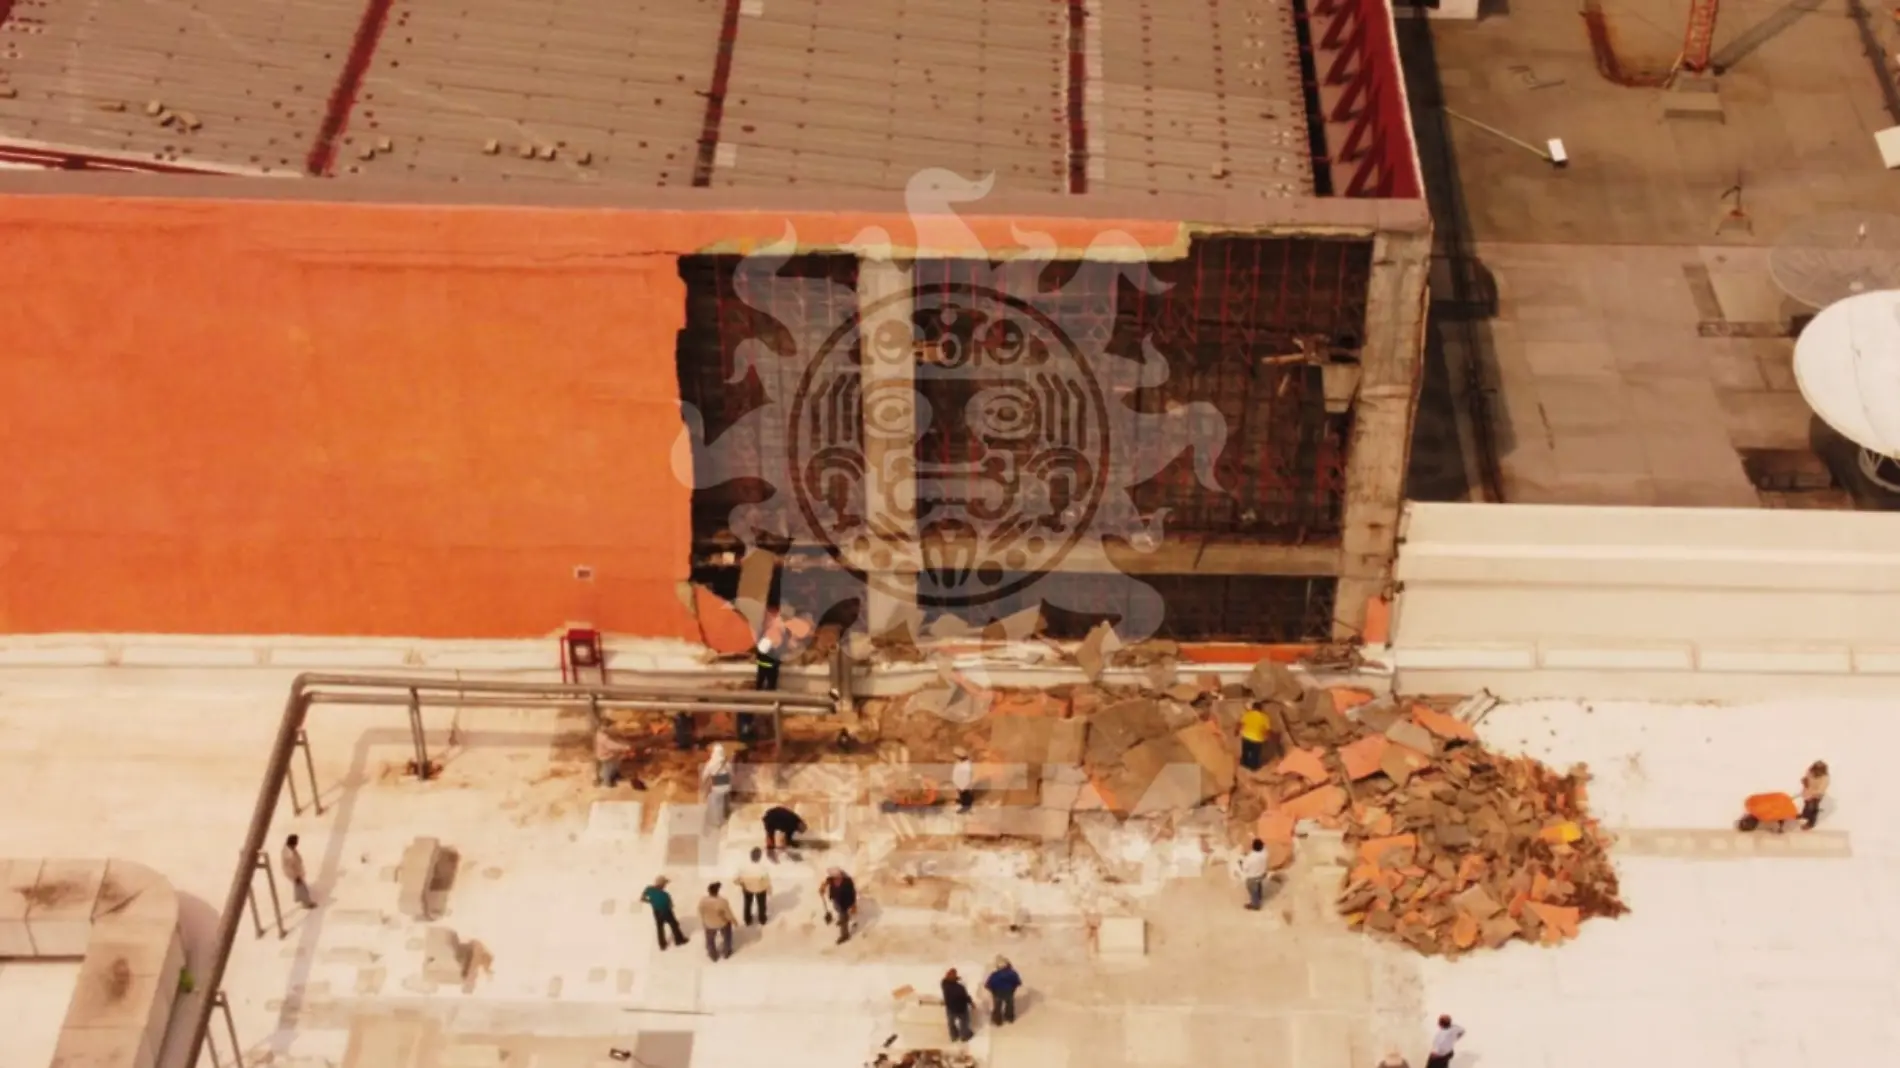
column 1772, row 810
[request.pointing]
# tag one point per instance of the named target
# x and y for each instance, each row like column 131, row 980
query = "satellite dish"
column 1828, row 258
column 1847, row 364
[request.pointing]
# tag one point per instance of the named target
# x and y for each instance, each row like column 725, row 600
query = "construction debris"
column 1455, row 847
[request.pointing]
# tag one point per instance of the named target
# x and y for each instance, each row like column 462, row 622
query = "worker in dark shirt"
column 764, row 680
column 841, row 900
column 683, row 731
column 956, row 1006
column 782, row 828
column 665, row 920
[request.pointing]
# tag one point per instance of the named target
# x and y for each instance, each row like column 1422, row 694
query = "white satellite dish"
column 1825, row 258
column 1847, row 363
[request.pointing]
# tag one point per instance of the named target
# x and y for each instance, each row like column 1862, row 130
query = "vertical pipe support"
column 416, row 736
column 310, row 768
column 261, row 862
column 223, row 1004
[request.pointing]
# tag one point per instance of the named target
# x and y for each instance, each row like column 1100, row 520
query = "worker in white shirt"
column 963, row 777
column 1443, row 1042
column 756, row 883
column 1253, row 873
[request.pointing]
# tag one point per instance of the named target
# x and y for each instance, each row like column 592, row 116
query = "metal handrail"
column 414, row 693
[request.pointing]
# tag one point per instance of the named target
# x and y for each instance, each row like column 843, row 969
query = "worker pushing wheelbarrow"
column 1777, row 811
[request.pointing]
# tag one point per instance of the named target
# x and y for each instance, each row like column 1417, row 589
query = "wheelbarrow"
column 1770, row 810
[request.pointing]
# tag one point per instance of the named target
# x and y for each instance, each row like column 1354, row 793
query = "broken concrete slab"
column 1123, row 784
column 1092, row 655
column 1177, row 714
column 1162, row 675
column 1068, row 739
column 1450, row 728
column 756, row 572
column 1363, row 758
column 1316, row 804
column 1061, row 796
column 1308, row 764
column 1021, row 739
column 1204, row 743
column 1177, row 787
column 1412, row 736
column 1269, row 681
column 1477, row 902
column 1121, row 726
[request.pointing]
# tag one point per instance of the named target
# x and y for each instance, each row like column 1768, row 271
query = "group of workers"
column 1002, row 984
column 838, row 891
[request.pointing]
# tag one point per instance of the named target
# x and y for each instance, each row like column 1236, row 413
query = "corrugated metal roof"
column 620, row 83
column 1197, row 105
column 864, row 93
column 1150, row 96
column 234, row 82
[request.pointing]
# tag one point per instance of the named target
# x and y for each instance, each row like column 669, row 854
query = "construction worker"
column 782, row 828
column 1813, row 792
column 294, row 871
column 1002, row 985
column 1255, row 728
column 715, row 786
column 1444, row 1043
column 956, row 1006
column 683, row 731
column 841, row 900
column 1253, row 873
column 756, row 884
column 764, row 680
column 665, row 919
column 715, row 915
column 610, row 754
column 963, row 778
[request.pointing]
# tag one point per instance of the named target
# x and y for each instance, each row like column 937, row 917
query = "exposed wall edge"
column 657, row 661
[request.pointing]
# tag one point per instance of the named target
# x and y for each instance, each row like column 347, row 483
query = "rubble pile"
column 1453, row 847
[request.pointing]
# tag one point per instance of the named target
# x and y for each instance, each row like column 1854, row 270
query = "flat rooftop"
column 1699, row 972
column 1129, row 96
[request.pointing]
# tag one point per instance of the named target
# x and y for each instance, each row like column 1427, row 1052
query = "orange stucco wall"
column 228, row 417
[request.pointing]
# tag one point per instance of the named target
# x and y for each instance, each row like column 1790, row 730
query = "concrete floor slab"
column 1699, row 970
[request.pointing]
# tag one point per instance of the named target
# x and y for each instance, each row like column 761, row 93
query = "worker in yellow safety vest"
column 1255, row 729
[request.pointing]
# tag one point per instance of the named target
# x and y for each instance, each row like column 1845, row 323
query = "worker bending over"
column 782, row 828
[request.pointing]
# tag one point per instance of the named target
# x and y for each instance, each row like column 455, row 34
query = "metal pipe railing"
column 413, row 692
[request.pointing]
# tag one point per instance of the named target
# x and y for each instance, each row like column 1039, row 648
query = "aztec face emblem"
column 964, row 430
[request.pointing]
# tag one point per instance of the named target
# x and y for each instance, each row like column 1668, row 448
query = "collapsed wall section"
column 1236, row 349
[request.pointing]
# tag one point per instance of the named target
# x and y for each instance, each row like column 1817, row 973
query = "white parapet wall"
column 1663, row 603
